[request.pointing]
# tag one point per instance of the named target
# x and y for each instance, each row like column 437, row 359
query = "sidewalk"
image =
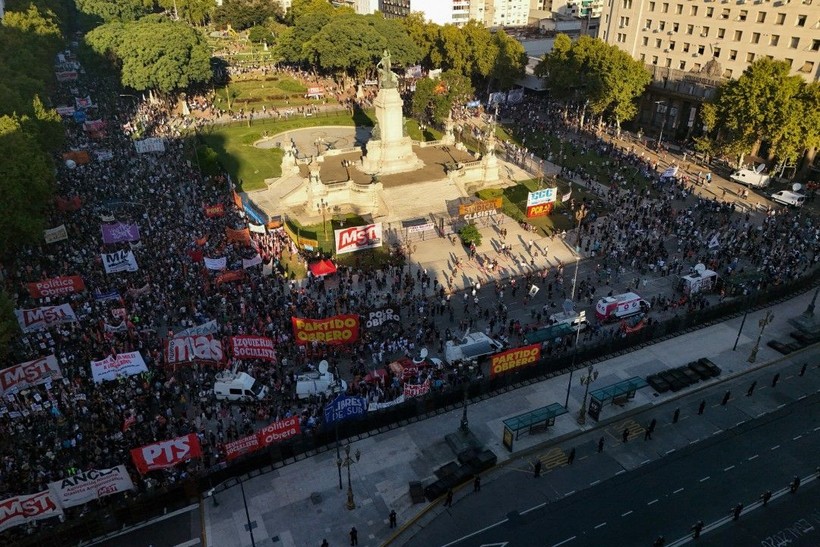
column 301, row 504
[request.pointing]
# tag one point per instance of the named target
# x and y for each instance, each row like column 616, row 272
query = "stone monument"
column 390, row 150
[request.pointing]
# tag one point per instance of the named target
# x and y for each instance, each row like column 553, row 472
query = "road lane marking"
column 798, row 437
column 621, row 471
column 670, row 451
column 716, row 432
column 593, row 483
column 817, row 428
column 627, row 513
column 600, row 525
column 491, row 526
column 645, row 462
column 740, row 423
column 705, row 479
column 569, row 493
column 678, row 490
column 565, row 541
column 728, row 468
column 752, row 458
column 539, row 506
column 775, row 447
column 653, row 501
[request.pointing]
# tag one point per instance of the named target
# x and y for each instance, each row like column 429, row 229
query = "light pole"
column 765, row 320
column 464, row 425
column 663, row 123
column 590, row 377
column 322, row 207
column 574, row 357
column 247, row 513
column 347, row 462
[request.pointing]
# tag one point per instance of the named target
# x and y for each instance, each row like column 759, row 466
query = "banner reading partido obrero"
column 514, row 358
column 339, row 329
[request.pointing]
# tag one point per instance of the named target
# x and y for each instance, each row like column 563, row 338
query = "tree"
column 26, row 186
column 260, row 34
column 196, row 12
column 510, row 61
column 558, row 70
column 115, row 10
column 154, row 53
column 482, row 48
column 434, row 99
column 47, row 126
column 242, row 14
column 451, row 51
column 764, row 103
column 292, row 43
column 9, row 328
column 301, row 8
column 347, row 44
column 421, row 33
column 470, row 234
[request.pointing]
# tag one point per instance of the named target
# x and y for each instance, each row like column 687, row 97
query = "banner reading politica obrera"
column 89, row 485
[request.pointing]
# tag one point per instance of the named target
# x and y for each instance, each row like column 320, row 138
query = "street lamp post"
column 247, row 513
column 322, row 207
column 590, row 377
column 347, row 462
column 464, row 425
column 765, row 320
column 663, row 123
column 579, row 217
column 574, row 357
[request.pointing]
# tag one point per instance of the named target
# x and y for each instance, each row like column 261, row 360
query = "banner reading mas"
column 514, row 358
column 339, row 329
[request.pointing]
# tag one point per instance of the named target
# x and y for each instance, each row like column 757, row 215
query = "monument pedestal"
column 392, row 152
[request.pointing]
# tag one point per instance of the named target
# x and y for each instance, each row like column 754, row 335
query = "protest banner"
column 23, row 509
column 198, row 348
column 45, row 317
column 89, row 485
column 119, row 261
column 252, row 347
column 111, row 368
column 119, row 232
column 53, row 235
column 339, row 329
column 514, row 358
column 29, row 374
column 166, row 454
column 56, row 286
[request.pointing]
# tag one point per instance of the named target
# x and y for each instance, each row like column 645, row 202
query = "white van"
column 230, row 386
column 752, row 178
column 473, row 346
column 789, row 198
column 571, row 318
column 319, row 381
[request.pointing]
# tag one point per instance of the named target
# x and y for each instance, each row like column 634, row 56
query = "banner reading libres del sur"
column 339, row 329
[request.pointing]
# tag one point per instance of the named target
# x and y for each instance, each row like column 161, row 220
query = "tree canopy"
column 154, row 53
column 243, row 14
column 434, row 98
column 764, row 103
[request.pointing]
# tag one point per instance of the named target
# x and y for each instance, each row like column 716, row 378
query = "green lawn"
column 415, row 133
column 250, row 166
column 274, row 91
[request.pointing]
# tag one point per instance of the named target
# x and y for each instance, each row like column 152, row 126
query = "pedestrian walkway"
column 301, row 504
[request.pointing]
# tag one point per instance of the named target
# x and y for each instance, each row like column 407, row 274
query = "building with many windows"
column 691, row 46
column 491, row 13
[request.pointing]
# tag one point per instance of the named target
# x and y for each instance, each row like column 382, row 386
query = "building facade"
column 490, row 13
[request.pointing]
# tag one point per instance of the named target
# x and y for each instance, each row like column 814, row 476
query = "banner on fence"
column 56, row 286
column 120, row 261
column 479, row 209
column 45, row 317
column 23, row 509
column 89, row 485
column 274, row 433
column 357, row 238
column 253, row 347
column 344, row 407
column 514, row 358
column 31, row 373
column 165, row 454
column 416, row 390
column 111, row 368
column 339, row 329
column 53, row 235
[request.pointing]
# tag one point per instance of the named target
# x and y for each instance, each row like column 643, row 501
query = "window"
column 815, row 45
column 738, row 35
column 721, row 32
column 755, row 37
column 790, row 61
column 781, row 18
column 710, row 12
column 725, row 13
column 648, row 24
column 808, row 67
column 654, row 59
column 627, row 4
column 750, row 57
column 624, row 21
column 686, row 47
column 679, row 10
column 705, row 32
column 690, row 29
column 801, row 20
column 661, row 25
column 657, row 42
column 693, row 11
column 701, row 49
column 794, row 42
column 675, row 27
column 761, row 17
column 743, row 14
column 682, row 65
column 669, row 62
column 732, row 54
column 671, row 46
column 651, row 6
column 646, row 41
column 665, row 7
column 642, row 57
column 716, row 52
column 774, row 40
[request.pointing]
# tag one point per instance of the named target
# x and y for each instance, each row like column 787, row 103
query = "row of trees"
column 30, row 37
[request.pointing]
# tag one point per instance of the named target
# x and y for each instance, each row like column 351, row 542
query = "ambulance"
column 613, row 308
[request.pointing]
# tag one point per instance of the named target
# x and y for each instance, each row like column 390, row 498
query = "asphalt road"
column 698, row 469
column 181, row 528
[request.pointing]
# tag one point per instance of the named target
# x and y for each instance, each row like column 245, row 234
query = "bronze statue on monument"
column 387, row 78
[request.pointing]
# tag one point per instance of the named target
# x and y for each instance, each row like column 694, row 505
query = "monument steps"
column 418, row 199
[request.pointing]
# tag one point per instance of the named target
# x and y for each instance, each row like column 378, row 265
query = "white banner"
column 251, row 262
column 54, row 235
column 90, row 485
column 45, row 317
column 357, row 238
column 153, row 144
column 216, row 263
column 111, row 368
column 120, row 261
column 547, row 195
column 378, row 406
column 22, row 509
column 256, row 228
column 28, row 374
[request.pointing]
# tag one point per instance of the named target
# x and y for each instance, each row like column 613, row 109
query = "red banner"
column 243, row 446
column 416, row 390
column 541, row 210
column 56, row 286
column 339, row 329
column 276, row 432
column 213, row 211
column 188, row 349
column 233, row 275
column 28, row 374
column 22, row 509
column 514, row 358
column 237, row 200
column 253, row 347
column 166, row 454
column 240, row 236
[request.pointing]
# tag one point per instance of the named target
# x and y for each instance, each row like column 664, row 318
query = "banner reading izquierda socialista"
column 339, row 329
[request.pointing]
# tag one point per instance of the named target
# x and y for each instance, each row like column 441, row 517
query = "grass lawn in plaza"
column 275, row 90
column 248, row 165
column 514, row 204
column 415, row 132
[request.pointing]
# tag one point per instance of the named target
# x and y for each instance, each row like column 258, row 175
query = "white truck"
column 789, row 198
column 473, row 346
column 571, row 318
column 319, row 381
column 613, row 308
column 752, row 178
column 232, row 386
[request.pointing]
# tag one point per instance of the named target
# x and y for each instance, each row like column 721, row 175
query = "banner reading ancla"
column 22, row 509
column 358, row 238
column 28, row 374
column 514, row 358
column 339, row 329
column 166, row 454
column 89, row 485
column 56, row 286
column 45, row 317
column 253, row 347
column 111, row 368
